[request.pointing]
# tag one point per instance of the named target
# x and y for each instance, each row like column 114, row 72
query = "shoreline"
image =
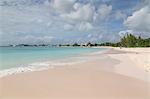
column 114, row 74
column 40, row 66
column 131, row 53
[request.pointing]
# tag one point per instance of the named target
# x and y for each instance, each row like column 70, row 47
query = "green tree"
column 129, row 41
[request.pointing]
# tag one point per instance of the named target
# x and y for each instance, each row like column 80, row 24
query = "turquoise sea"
column 12, row 57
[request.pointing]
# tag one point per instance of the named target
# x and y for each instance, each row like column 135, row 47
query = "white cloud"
column 119, row 15
column 77, row 5
column 102, row 12
column 68, row 27
column 63, row 6
column 85, row 26
column 83, row 13
column 140, row 20
column 26, row 22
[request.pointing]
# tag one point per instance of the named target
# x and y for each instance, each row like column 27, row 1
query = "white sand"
column 140, row 57
column 115, row 74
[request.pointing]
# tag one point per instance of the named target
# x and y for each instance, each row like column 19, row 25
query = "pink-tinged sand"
column 112, row 76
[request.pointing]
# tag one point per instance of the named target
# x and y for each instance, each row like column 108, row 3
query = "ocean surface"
column 13, row 57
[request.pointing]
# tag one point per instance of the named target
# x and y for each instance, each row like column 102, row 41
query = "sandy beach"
column 114, row 74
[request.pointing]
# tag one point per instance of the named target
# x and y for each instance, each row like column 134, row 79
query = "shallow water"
column 12, row 57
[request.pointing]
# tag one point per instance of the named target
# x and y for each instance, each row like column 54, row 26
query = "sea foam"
column 38, row 66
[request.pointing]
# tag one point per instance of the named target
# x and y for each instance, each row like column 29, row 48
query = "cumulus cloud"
column 102, row 12
column 85, row 15
column 28, row 21
column 85, row 26
column 139, row 21
column 63, row 5
column 82, row 13
column 77, row 5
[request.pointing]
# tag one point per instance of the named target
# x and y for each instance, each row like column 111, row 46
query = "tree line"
column 130, row 40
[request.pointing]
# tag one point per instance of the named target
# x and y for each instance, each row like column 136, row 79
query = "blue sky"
column 69, row 21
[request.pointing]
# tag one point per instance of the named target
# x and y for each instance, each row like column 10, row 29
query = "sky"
column 70, row 21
